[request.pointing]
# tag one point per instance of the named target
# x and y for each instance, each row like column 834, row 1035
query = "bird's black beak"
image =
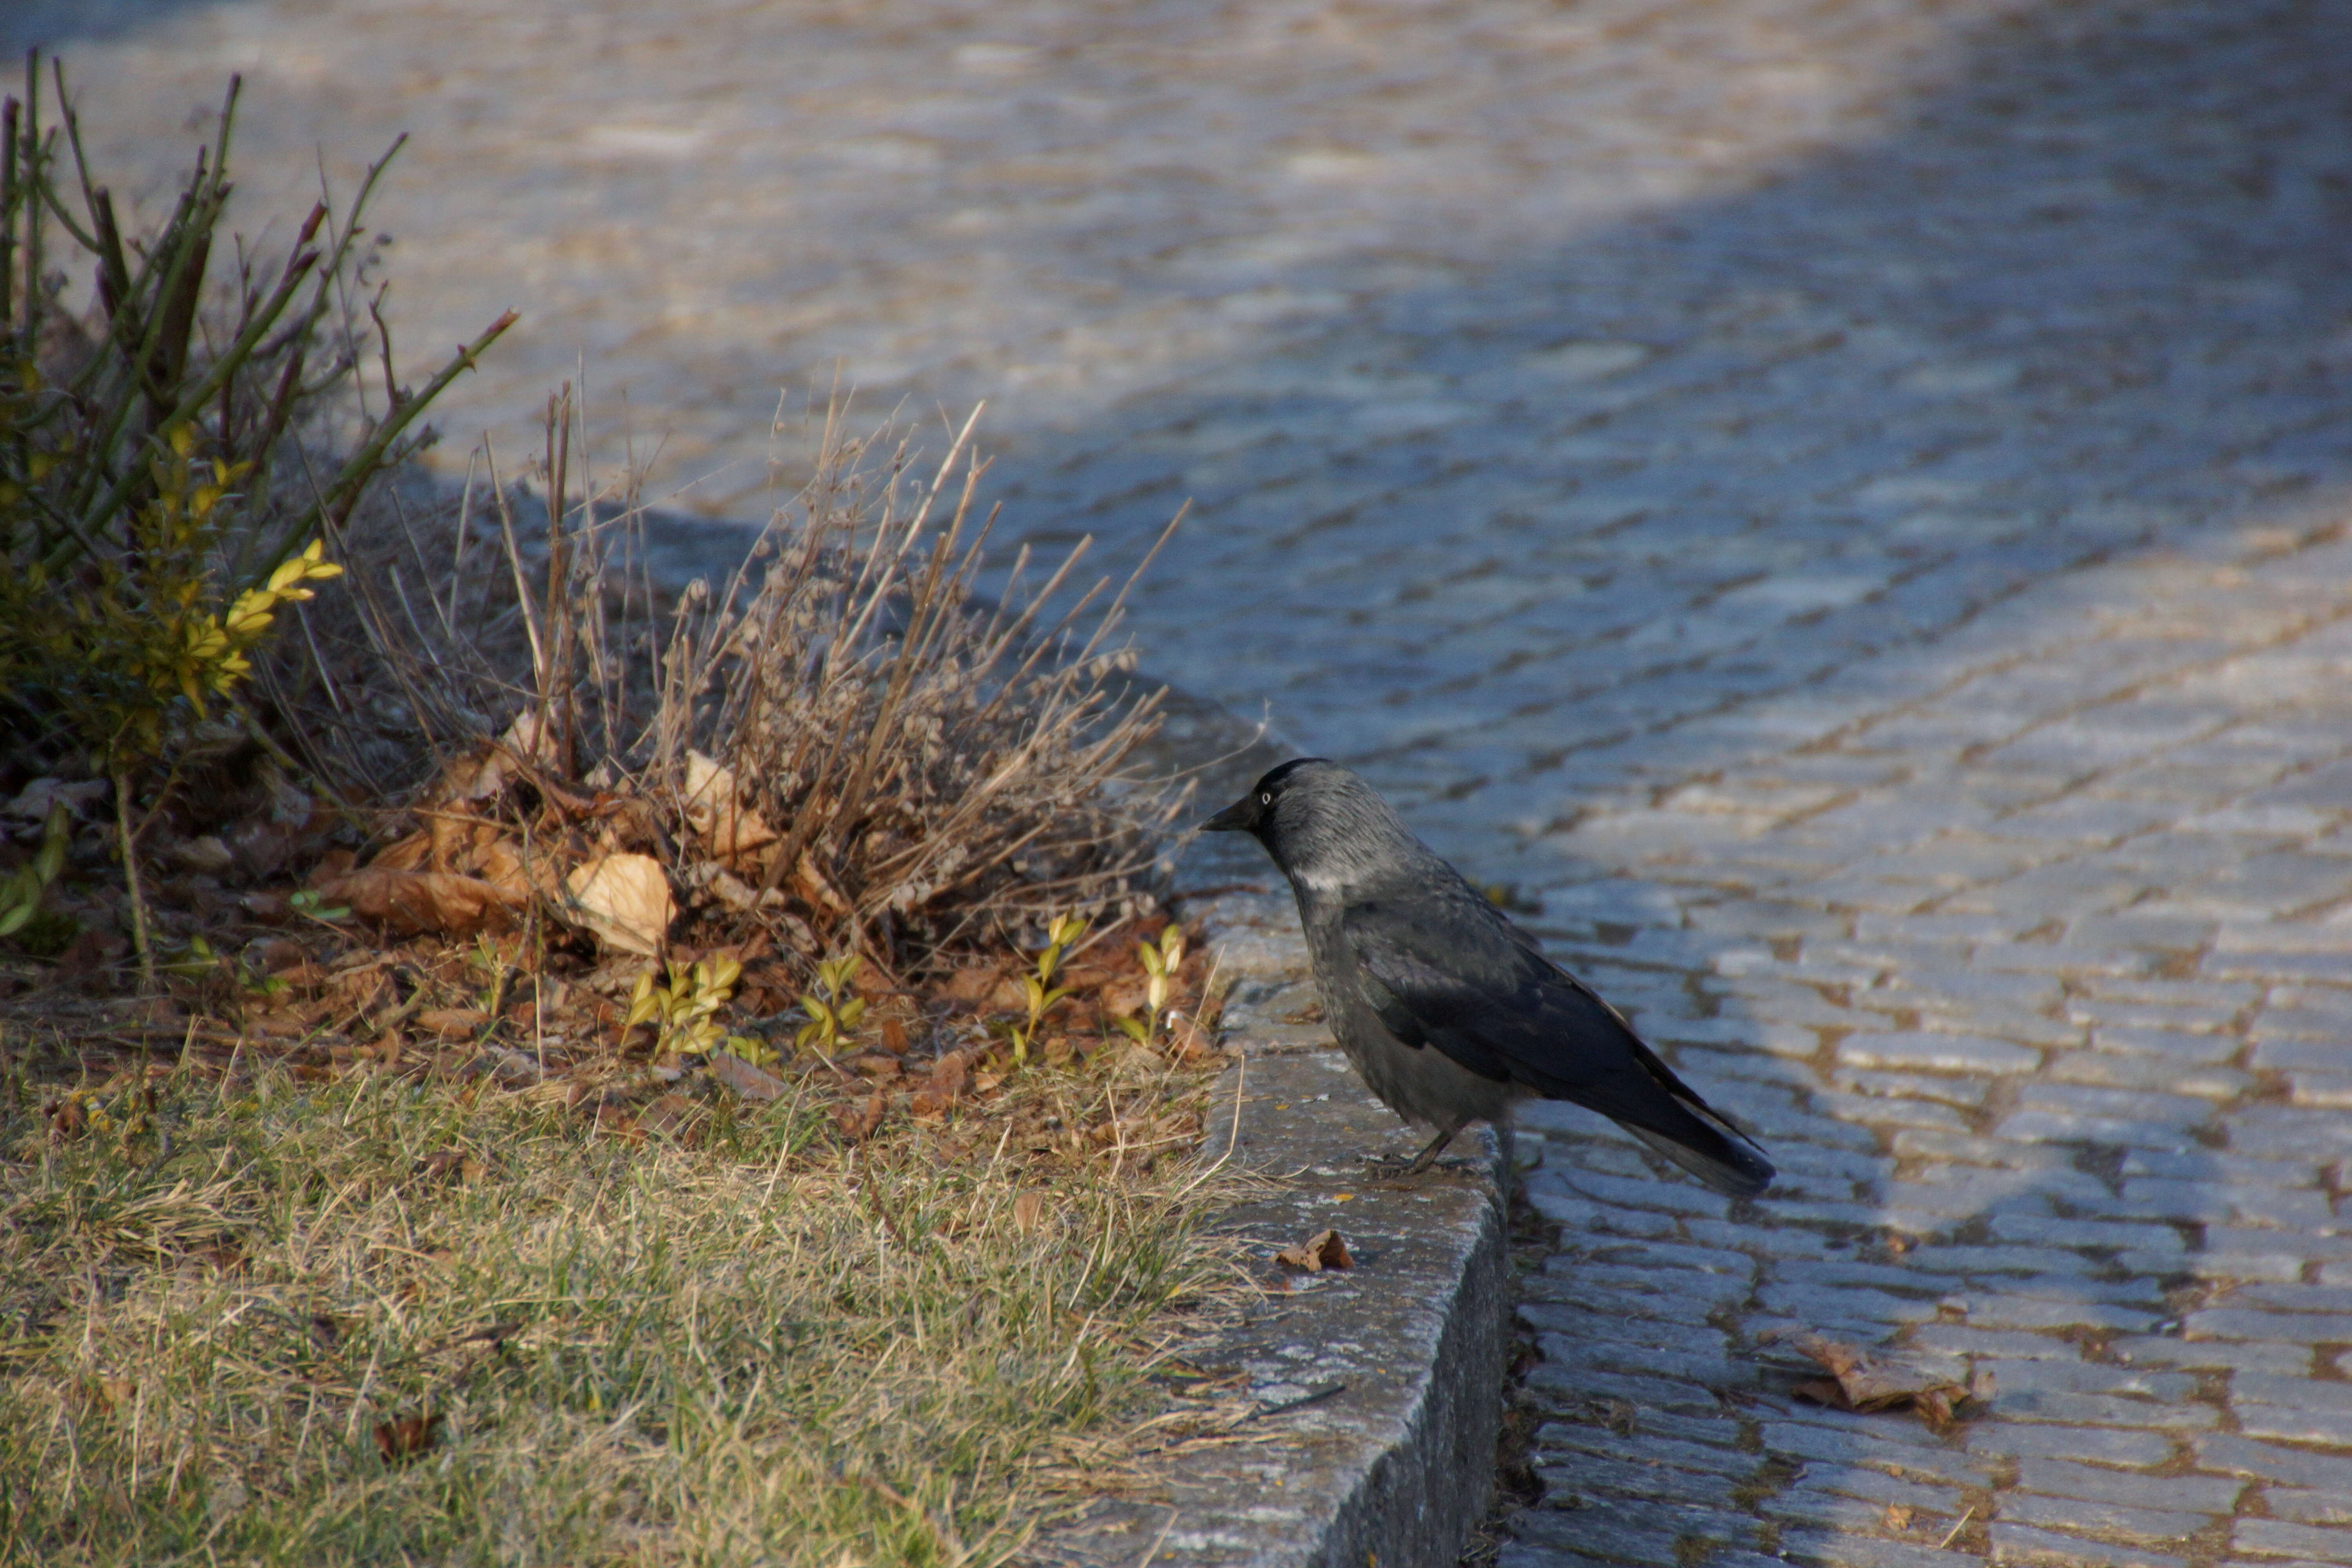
column 1242, row 817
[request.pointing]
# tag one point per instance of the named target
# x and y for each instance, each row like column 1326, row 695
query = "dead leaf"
column 745, row 1079
column 452, row 1022
column 1029, row 1208
column 1324, row 1249
column 858, row 1119
column 614, row 1121
column 413, row 902
column 448, row 1162
column 717, row 811
column 1897, row 1518
column 206, row 854
column 969, row 986
column 117, row 1391
column 410, row 854
column 816, row 888
column 950, row 1074
column 673, row 1116
column 873, row 1064
column 407, row 1437
column 1859, row 1382
column 1188, row 1041
column 624, row 899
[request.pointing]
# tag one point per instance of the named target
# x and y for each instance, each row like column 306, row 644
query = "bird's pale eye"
column 1266, row 800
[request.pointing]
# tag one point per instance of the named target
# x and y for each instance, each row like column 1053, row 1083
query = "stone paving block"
column 1857, row 1108
column 2073, row 1126
column 1558, row 1441
column 1967, row 1149
column 2277, row 1327
column 2295, row 1298
column 1996, row 1261
column 2297, row 1426
column 2293, row 1207
column 2165, row 1351
column 2308, row 1507
column 2156, row 1239
column 1964, row 1092
column 1657, row 1534
column 2065, row 1479
column 2178, row 1046
column 1645, row 1191
column 1871, row 1485
column 1713, row 1366
column 2242, row 1455
column 2277, row 1538
column 2097, row 1445
column 1558, row 1380
column 2110, row 1520
column 1832, row 1550
column 2025, row 1544
column 2129, row 1105
column 2111, row 1070
column 1590, row 1474
column 1988, row 1310
column 1937, row 1053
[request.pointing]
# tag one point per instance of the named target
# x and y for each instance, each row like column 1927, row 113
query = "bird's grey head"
column 1325, row 827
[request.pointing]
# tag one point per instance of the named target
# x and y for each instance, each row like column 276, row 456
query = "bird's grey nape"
column 1333, row 831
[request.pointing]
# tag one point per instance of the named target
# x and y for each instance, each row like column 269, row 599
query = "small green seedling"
column 310, row 906
column 834, row 1011
column 1161, row 959
column 193, row 962
column 1064, row 933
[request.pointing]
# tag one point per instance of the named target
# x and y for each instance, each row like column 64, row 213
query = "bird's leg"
column 1428, row 1156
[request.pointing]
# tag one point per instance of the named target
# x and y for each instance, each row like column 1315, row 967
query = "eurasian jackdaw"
column 1449, row 1011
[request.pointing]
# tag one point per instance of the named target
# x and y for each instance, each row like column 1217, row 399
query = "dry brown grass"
column 366, row 1320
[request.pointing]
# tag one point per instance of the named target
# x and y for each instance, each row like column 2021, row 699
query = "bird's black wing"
column 1454, row 975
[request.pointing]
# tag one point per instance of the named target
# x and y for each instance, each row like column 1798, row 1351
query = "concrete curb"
column 1381, row 1387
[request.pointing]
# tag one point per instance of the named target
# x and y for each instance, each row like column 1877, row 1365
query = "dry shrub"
column 945, row 765
column 843, row 747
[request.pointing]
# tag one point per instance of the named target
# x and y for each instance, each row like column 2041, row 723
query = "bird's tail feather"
column 1731, row 1165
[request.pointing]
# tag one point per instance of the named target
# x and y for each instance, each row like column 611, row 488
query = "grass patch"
column 380, row 1320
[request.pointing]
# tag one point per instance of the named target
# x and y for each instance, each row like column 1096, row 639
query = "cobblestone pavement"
column 1844, row 502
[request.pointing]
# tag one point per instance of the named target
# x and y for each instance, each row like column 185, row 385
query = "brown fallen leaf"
column 407, row 1436
column 1324, row 1249
column 1188, row 1039
column 413, row 902
column 1030, row 1208
column 857, row 1119
column 624, row 902
column 750, row 1082
column 614, row 1121
column 714, row 806
column 452, row 1022
column 950, row 1074
column 1863, row 1383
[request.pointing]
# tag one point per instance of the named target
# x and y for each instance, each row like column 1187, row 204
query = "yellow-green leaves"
column 834, row 1011
column 1064, row 933
column 684, row 1013
column 1161, row 959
